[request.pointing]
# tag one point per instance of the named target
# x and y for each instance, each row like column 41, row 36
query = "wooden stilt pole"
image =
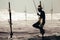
column 10, row 22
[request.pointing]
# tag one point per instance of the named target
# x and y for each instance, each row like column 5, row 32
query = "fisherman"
column 41, row 18
column 41, row 21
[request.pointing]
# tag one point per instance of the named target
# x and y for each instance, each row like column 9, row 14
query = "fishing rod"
column 35, row 6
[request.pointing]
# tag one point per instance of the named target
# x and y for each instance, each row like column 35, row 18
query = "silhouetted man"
column 41, row 21
column 41, row 18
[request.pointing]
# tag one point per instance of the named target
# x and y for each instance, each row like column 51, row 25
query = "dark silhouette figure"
column 41, row 21
column 41, row 18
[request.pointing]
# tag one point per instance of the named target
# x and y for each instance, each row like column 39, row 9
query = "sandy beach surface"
column 23, row 30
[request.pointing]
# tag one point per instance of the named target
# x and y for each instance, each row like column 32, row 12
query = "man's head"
column 40, row 6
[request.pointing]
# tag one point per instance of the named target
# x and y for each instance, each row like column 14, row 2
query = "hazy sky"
column 28, row 5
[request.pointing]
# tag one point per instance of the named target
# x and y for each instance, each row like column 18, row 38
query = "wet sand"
column 23, row 30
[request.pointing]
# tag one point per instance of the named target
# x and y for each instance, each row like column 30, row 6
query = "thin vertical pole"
column 51, row 10
column 11, row 33
column 25, row 15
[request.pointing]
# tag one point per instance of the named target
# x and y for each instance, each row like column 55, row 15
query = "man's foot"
column 42, row 31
